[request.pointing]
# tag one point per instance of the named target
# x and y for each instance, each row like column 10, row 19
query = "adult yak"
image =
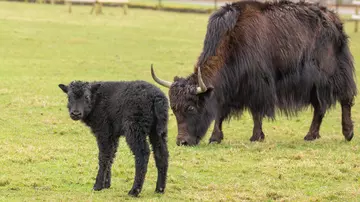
column 263, row 57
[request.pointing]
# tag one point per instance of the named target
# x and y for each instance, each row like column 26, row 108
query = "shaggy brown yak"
column 262, row 57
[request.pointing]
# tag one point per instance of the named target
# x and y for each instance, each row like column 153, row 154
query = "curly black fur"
column 267, row 56
column 134, row 109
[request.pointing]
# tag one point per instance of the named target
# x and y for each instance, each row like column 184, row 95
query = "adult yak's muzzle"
column 184, row 138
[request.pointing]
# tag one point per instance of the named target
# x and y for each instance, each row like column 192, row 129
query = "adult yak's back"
column 263, row 57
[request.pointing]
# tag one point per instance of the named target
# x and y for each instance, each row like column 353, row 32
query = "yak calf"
column 133, row 109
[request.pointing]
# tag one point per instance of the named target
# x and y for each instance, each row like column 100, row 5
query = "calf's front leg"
column 114, row 145
column 106, row 155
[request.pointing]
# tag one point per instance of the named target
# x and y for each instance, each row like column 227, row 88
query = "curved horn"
column 202, row 87
column 159, row 81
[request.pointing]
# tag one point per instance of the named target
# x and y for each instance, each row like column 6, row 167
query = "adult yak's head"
column 191, row 102
column 81, row 98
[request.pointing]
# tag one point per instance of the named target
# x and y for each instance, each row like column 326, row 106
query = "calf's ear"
column 95, row 87
column 63, row 87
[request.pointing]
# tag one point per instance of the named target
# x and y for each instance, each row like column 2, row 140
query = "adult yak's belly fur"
column 301, row 71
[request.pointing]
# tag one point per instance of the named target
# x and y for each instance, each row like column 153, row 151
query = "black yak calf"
column 132, row 109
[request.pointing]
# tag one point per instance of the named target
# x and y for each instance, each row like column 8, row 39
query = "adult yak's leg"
column 114, row 145
column 319, row 112
column 105, row 158
column 347, row 124
column 217, row 134
column 258, row 134
column 136, row 139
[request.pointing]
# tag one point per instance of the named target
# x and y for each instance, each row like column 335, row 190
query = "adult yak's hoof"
column 350, row 136
column 160, row 190
column 216, row 137
column 312, row 136
column 134, row 192
column 257, row 137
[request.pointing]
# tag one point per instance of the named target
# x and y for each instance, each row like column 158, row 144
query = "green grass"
column 47, row 156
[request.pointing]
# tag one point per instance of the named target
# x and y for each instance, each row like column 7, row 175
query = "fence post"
column 69, row 3
column 125, row 7
column 357, row 12
column 323, row 3
column 337, row 6
column 215, row 2
column 98, row 8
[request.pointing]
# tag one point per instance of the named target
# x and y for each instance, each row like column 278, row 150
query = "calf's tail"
column 161, row 107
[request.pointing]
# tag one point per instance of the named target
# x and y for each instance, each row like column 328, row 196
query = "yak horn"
column 202, row 87
column 159, row 81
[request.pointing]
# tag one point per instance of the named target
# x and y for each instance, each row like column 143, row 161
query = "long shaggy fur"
column 277, row 55
column 265, row 57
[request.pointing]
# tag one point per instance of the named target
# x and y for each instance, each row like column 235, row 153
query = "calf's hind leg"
column 136, row 140
column 161, row 155
column 347, row 124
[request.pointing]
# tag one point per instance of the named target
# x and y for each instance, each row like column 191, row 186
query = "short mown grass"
column 44, row 155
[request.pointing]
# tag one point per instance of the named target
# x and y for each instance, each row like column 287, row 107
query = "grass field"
column 44, row 155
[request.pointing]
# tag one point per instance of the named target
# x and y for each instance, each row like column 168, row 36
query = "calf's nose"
column 75, row 113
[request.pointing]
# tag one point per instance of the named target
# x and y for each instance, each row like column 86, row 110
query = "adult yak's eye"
column 190, row 108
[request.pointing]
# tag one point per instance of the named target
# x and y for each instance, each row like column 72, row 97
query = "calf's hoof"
column 350, row 136
column 312, row 136
column 216, row 137
column 257, row 137
column 134, row 192
column 160, row 190
column 97, row 188
column 107, row 185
